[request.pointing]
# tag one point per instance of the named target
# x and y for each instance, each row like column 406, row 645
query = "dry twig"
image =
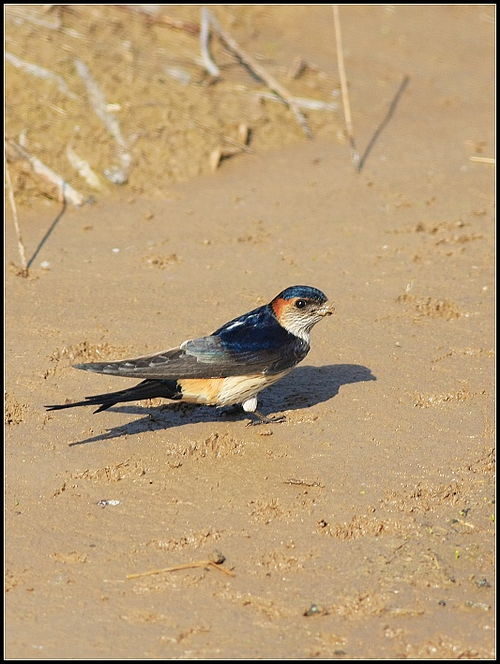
column 211, row 564
column 40, row 72
column 116, row 174
column 483, row 160
column 208, row 63
column 343, row 85
column 298, row 482
column 67, row 191
column 20, row 244
column 83, row 168
column 302, row 102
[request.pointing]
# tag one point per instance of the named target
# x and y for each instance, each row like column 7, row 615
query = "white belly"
column 237, row 389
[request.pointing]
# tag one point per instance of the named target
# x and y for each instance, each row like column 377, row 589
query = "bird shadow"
column 302, row 388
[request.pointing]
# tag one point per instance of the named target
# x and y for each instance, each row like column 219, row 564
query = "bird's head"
column 299, row 308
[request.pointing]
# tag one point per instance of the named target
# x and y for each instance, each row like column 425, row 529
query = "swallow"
column 230, row 366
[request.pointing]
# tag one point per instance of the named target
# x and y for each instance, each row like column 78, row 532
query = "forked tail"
column 147, row 389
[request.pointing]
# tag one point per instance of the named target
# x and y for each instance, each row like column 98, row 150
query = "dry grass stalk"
column 259, row 71
column 343, row 86
column 20, row 244
column 202, row 563
column 67, row 191
column 483, row 160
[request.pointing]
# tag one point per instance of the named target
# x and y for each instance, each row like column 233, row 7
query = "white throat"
column 297, row 328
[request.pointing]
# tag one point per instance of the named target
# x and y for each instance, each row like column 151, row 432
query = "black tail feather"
column 147, row 389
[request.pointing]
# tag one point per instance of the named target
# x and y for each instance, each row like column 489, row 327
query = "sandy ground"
column 362, row 526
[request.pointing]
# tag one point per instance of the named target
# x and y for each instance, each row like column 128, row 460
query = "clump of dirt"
column 86, row 351
column 430, row 307
column 14, row 410
column 162, row 261
column 359, row 526
column 428, row 400
column 113, row 473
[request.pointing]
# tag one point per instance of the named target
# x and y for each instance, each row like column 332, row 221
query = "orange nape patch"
column 201, row 390
column 280, row 305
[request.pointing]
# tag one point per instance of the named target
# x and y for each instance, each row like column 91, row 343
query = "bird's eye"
column 300, row 304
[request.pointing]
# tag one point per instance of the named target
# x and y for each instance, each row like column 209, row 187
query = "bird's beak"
column 326, row 310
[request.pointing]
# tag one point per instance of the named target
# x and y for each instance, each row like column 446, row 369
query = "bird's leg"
column 250, row 406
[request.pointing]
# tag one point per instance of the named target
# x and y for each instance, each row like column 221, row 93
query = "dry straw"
column 20, row 244
column 343, row 86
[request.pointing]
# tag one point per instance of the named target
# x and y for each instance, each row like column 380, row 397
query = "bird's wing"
column 215, row 356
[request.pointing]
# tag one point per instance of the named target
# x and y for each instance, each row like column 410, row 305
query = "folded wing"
column 207, row 357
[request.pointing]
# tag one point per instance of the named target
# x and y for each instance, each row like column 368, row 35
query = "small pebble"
column 105, row 503
column 217, row 557
column 314, row 610
column 483, row 583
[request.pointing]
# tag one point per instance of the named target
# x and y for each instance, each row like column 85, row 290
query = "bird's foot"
column 263, row 419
